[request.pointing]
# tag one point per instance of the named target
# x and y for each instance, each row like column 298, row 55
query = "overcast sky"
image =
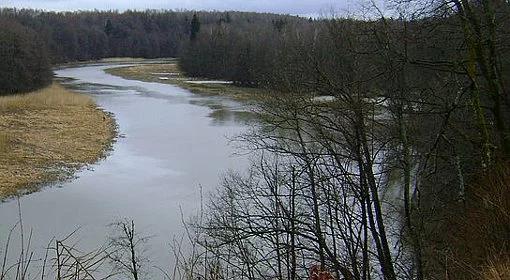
column 301, row 7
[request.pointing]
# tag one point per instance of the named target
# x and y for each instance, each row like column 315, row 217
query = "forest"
column 403, row 175
column 25, row 65
column 43, row 39
column 383, row 147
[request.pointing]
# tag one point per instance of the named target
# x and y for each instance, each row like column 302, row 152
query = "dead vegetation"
column 477, row 244
column 497, row 270
column 170, row 73
column 48, row 134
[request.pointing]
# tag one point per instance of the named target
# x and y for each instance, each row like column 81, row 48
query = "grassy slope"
column 48, row 134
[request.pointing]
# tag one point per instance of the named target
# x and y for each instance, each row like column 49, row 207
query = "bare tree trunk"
column 380, row 234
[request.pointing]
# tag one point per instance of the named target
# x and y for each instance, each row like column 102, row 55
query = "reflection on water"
column 226, row 111
column 222, row 116
column 173, row 143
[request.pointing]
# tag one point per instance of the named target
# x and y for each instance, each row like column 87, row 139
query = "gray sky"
column 301, row 7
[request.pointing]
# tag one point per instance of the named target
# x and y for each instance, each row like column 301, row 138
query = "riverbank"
column 116, row 60
column 169, row 73
column 47, row 135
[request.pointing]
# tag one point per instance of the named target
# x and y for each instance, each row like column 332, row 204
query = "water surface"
column 171, row 144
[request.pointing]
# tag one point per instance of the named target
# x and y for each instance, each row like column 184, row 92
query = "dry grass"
column 48, row 134
column 497, row 270
column 117, row 60
column 53, row 96
column 478, row 231
column 134, row 59
column 145, row 72
column 5, row 142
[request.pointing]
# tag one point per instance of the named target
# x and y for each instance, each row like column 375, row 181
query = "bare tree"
column 126, row 248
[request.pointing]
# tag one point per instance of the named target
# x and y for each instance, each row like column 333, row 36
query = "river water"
column 171, row 143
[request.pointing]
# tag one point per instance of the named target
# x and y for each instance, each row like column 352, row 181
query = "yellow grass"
column 5, row 142
column 133, row 59
column 52, row 96
column 145, row 72
column 497, row 270
column 47, row 134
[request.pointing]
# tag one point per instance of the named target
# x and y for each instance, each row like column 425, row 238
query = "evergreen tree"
column 195, row 27
column 108, row 28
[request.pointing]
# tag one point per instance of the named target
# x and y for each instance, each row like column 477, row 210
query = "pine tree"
column 195, row 27
column 108, row 27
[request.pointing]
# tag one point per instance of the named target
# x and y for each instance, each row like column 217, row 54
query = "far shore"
column 168, row 72
column 117, row 60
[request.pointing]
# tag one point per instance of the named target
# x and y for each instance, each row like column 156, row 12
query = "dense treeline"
column 24, row 61
column 86, row 35
column 243, row 51
column 59, row 37
column 402, row 174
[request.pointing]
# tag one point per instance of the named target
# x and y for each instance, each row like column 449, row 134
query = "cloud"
column 276, row 6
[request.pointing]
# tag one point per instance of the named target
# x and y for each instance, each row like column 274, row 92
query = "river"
column 171, row 143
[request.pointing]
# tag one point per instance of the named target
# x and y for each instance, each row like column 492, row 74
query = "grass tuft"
column 497, row 270
column 5, row 142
